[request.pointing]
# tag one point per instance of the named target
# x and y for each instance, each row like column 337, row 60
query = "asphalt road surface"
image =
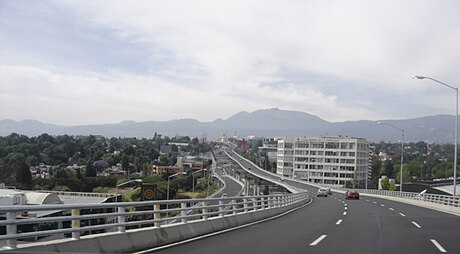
column 336, row 225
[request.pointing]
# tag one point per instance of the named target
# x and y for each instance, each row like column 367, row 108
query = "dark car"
column 351, row 195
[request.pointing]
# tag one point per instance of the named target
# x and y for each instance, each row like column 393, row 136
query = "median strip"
column 318, row 240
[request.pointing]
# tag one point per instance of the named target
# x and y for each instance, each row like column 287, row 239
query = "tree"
column 406, row 175
column 18, row 165
column 90, row 171
column 385, row 183
column 388, row 169
column 376, row 165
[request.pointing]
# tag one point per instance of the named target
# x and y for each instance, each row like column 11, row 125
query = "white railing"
column 81, row 219
column 432, row 198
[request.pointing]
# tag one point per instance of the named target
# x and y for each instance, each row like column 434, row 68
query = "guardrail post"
column 183, row 213
column 11, row 230
column 266, row 202
column 245, row 205
column 156, row 215
column 234, row 206
column 270, row 202
column 75, row 224
column 254, row 203
column 205, row 210
column 121, row 219
column 221, row 208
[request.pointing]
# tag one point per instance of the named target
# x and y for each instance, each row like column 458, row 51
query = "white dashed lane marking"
column 440, row 248
column 416, row 224
column 346, row 208
column 382, row 205
column 338, row 222
column 391, row 209
column 318, row 240
column 344, row 213
column 402, row 214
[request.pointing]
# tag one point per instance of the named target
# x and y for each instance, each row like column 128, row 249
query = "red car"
column 351, row 195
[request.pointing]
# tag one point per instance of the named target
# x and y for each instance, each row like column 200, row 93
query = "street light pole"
column 456, row 125
column 167, row 192
column 193, row 178
column 402, row 154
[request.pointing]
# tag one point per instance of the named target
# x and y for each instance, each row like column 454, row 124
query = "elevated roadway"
column 337, row 225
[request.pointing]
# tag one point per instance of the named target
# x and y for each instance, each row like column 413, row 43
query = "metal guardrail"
column 126, row 215
column 432, row 198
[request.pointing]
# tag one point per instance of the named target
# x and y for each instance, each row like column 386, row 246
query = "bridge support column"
column 156, row 215
column 183, row 213
column 121, row 219
column 11, row 230
column 75, row 224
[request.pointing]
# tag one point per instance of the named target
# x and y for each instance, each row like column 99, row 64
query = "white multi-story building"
column 324, row 160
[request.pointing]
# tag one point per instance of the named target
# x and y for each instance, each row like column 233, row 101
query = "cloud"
column 160, row 60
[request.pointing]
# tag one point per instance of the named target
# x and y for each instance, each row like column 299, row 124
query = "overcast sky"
column 88, row 62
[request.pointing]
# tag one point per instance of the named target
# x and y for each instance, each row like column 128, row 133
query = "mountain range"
column 264, row 122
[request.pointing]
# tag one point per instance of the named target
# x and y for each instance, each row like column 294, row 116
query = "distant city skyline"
column 95, row 62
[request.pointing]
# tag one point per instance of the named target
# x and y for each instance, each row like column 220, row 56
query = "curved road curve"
column 336, row 225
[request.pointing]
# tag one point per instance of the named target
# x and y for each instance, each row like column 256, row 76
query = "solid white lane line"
column 415, row 223
column 402, row 214
column 318, row 240
column 338, row 222
column 344, row 213
column 382, row 205
column 391, row 209
column 440, row 248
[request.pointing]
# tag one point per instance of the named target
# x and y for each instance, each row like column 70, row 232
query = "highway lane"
column 288, row 234
column 261, row 172
column 337, row 225
column 435, row 231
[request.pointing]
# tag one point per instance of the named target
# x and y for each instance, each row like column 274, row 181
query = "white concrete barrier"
column 146, row 238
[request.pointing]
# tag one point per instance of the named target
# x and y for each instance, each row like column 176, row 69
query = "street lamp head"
column 419, row 77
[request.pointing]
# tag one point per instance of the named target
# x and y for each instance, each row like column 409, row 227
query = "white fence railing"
column 82, row 219
column 446, row 200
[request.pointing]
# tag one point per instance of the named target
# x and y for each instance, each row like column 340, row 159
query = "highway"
column 337, row 225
